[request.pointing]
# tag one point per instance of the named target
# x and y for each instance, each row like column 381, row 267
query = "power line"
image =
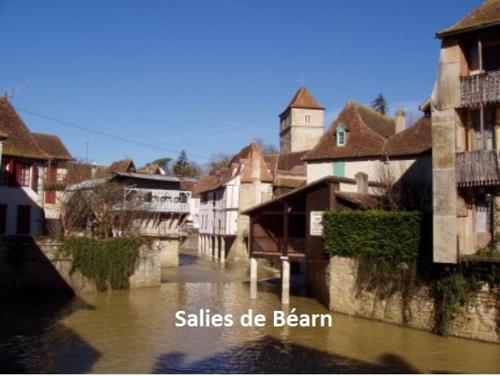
column 104, row 134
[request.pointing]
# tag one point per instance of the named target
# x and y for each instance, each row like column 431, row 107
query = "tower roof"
column 485, row 15
column 303, row 99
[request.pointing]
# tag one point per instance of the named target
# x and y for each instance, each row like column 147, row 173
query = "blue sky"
column 209, row 76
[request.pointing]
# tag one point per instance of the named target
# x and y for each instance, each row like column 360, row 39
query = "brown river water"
column 134, row 332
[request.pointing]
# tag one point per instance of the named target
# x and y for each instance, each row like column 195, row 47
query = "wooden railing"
column 480, row 88
column 477, row 168
column 264, row 244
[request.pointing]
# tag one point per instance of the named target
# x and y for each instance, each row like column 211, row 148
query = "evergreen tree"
column 185, row 168
column 379, row 104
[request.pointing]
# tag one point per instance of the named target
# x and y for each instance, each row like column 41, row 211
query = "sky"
column 208, row 76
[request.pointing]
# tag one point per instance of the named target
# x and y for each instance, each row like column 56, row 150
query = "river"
column 134, row 332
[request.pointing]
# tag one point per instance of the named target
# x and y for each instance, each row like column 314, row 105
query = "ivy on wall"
column 108, row 262
column 388, row 247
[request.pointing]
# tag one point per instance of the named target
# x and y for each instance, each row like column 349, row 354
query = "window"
column 483, row 217
column 491, row 57
column 23, row 174
column 341, row 136
column 308, row 118
column 488, row 130
column 23, row 219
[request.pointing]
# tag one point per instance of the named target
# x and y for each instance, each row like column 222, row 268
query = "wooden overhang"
column 281, row 227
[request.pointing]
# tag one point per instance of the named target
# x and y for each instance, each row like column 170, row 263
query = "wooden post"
column 285, row 280
column 284, row 247
column 285, row 263
column 480, row 53
column 481, row 122
column 253, row 278
column 251, row 235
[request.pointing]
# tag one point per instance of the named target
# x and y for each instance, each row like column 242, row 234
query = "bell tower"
column 302, row 123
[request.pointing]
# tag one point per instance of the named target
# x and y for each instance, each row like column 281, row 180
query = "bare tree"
column 405, row 184
column 101, row 211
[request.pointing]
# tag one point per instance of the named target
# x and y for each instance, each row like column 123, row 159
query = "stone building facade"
column 465, row 107
column 301, row 123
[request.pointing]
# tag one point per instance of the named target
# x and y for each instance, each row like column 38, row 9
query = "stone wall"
column 31, row 267
column 169, row 252
column 334, row 284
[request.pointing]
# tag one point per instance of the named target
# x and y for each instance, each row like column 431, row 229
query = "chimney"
column 400, row 119
column 362, row 182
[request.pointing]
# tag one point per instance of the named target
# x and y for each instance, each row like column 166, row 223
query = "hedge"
column 391, row 236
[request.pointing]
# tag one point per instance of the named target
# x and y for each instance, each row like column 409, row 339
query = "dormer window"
column 341, row 136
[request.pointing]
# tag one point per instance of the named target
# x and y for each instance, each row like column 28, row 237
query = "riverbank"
column 99, row 332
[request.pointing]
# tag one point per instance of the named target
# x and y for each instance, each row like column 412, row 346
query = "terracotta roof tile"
column 125, row 165
column 371, row 135
column 414, row 140
column 362, row 139
column 361, row 200
column 78, row 172
column 303, row 99
column 485, row 15
column 212, row 182
column 381, row 124
column 19, row 142
column 52, row 146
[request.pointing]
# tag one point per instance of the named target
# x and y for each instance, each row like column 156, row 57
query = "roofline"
column 320, row 108
column 446, row 34
column 326, row 179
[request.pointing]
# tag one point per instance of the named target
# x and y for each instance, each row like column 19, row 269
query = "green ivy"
column 453, row 288
column 107, row 262
column 391, row 237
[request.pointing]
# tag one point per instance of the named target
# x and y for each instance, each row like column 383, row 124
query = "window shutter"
column 12, row 174
column 34, row 177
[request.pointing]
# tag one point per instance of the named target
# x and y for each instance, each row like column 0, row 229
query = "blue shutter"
column 339, row 169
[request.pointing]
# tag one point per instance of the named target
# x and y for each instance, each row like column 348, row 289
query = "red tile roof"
column 303, row 99
column 125, row 165
column 52, row 146
column 242, row 161
column 414, row 140
column 370, row 134
column 78, row 172
column 287, row 162
column 485, row 15
column 363, row 140
column 20, row 141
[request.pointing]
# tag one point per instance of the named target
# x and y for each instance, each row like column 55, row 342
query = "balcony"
column 480, row 88
column 157, row 200
column 477, row 168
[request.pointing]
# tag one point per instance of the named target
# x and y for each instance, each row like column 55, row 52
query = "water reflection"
column 134, row 332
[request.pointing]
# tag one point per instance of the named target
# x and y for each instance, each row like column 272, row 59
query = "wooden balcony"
column 480, row 88
column 477, row 168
